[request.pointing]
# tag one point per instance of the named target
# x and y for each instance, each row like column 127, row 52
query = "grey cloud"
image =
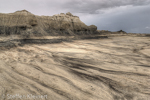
column 93, row 6
column 75, row 6
column 133, row 20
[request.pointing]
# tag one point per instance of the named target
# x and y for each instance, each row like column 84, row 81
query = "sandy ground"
column 117, row 68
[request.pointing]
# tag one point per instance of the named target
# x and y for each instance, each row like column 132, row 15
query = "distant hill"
column 26, row 23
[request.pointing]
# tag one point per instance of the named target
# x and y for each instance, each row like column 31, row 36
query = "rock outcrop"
column 26, row 23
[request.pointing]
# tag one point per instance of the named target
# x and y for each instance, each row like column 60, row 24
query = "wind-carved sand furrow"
column 43, row 70
column 14, row 78
column 20, row 84
column 111, row 83
column 47, row 86
column 104, row 80
column 31, row 85
column 60, row 92
column 80, row 65
column 74, row 64
column 79, row 70
column 16, row 84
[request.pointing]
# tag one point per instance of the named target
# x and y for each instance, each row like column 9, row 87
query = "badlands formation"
column 60, row 58
column 26, row 23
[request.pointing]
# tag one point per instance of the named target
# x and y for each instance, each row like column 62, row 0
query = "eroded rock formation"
column 24, row 22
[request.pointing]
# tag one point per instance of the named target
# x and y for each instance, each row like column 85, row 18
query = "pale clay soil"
column 117, row 68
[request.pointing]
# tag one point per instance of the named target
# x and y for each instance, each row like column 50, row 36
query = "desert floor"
column 116, row 68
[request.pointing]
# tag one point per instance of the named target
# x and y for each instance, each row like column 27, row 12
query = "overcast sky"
column 113, row 15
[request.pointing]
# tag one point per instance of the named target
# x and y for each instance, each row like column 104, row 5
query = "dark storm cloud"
column 94, row 6
column 75, row 6
column 130, row 19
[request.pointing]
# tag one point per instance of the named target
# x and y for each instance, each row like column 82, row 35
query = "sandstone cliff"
column 26, row 23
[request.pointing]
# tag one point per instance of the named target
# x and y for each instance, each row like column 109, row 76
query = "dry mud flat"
column 117, row 68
